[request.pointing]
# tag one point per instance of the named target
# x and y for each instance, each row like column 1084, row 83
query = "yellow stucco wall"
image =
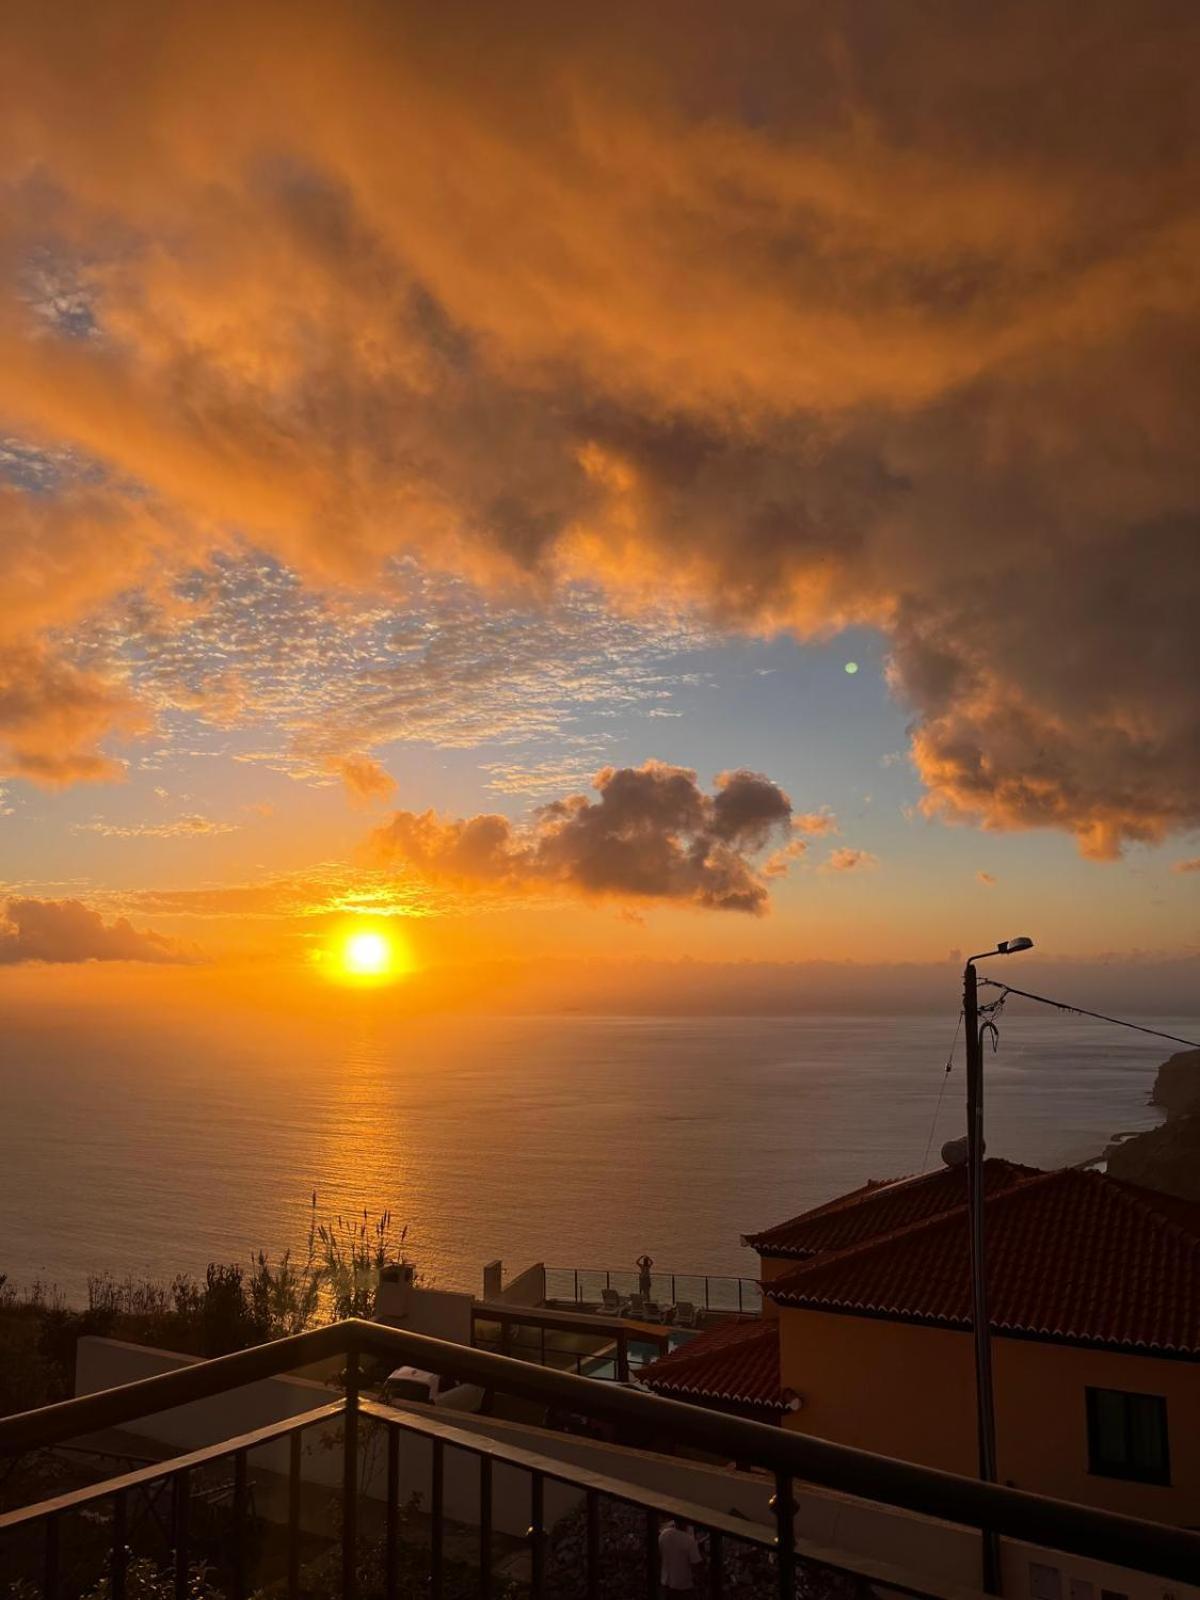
column 905, row 1390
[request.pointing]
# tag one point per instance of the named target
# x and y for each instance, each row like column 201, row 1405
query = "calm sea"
column 578, row 1141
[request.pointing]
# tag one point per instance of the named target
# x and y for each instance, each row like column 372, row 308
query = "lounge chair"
column 685, row 1314
column 636, row 1306
column 610, row 1303
column 652, row 1311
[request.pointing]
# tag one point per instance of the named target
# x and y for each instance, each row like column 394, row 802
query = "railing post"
column 120, row 1553
column 436, row 1511
column 181, row 1489
column 653, row 1559
column 350, row 1481
column 716, row 1576
column 239, row 1525
column 622, row 1356
column 593, row 1545
column 50, row 1567
column 739, row 1297
column 785, row 1535
column 392, row 1546
column 537, row 1536
column 295, row 1446
column 485, row 1527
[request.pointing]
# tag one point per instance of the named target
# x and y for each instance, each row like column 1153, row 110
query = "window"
column 1127, row 1436
column 1045, row 1583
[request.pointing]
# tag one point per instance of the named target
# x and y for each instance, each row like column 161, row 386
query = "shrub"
column 232, row 1308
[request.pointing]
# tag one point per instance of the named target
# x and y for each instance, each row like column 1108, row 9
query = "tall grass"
column 232, row 1307
column 351, row 1255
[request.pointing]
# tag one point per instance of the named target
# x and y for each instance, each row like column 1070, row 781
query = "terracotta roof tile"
column 737, row 1362
column 1071, row 1255
column 879, row 1208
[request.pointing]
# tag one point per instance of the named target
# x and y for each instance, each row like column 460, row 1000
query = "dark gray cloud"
column 651, row 833
column 69, row 931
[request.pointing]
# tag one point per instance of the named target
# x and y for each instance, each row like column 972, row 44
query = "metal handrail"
column 200, row 1380
column 76, row 1499
column 1059, row 1525
column 631, row 1273
column 724, row 1525
column 547, row 1468
column 559, row 1471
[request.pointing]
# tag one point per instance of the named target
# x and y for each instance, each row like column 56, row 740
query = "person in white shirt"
column 679, row 1555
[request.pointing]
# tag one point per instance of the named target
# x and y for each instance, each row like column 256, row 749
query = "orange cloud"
column 53, row 717
column 62, row 556
column 847, row 859
column 327, row 889
column 364, row 778
column 69, row 931
column 816, row 823
column 190, row 827
column 361, row 284
column 652, row 834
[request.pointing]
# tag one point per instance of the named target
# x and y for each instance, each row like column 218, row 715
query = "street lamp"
column 984, row 1400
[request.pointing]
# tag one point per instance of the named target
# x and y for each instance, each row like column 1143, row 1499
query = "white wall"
column 528, row 1288
column 939, row 1551
column 439, row 1313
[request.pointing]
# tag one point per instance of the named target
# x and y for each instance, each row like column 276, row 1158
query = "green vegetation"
column 231, row 1308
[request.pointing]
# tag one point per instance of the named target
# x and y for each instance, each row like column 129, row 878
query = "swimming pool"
column 641, row 1353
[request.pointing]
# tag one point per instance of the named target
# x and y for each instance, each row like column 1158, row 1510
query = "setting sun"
column 370, row 955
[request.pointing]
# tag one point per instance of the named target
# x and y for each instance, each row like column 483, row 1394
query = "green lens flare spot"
column 852, row 667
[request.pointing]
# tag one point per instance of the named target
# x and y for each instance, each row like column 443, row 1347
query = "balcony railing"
column 594, row 1347
column 710, row 1292
column 793, row 1459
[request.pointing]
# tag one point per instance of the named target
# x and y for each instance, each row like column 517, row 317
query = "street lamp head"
column 1006, row 947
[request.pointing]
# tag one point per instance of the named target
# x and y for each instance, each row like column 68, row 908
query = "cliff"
column 1167, row 1157
column 1177, row 1086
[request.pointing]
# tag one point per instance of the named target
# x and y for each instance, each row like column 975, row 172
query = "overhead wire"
column 941, row 1091
column 988, row 1016
column 1081, row 1011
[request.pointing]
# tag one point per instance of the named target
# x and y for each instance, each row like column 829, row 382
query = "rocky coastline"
column 1167, row 1157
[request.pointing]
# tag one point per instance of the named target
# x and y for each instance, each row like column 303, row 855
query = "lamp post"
column 984, row 1399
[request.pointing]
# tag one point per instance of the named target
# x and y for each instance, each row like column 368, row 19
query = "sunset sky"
column 596, row 484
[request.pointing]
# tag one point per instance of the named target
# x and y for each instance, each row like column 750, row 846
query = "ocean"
column 577, row 1141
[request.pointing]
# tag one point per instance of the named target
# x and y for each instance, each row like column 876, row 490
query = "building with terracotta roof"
column 1094, row 1299
column 733, row 1367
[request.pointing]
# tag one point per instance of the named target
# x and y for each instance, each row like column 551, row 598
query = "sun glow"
column 367, row 954
column 369, row 957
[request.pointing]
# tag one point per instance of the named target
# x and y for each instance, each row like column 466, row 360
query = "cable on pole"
column 1080, row 1011
column 941, row 1091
